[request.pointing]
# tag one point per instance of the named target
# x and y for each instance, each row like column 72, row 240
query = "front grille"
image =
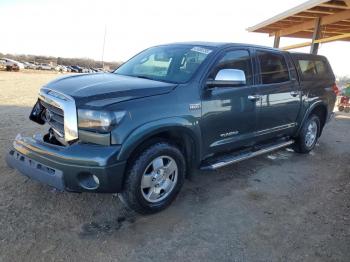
column 54, row 116
column 62, row 113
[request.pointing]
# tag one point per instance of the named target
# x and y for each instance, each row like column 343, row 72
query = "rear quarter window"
column 314, row 68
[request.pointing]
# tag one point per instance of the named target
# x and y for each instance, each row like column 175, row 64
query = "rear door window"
column 273, row 67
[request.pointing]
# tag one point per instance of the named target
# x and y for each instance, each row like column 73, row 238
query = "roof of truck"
column 306, row 55
column 227, row 44
column 222, row 44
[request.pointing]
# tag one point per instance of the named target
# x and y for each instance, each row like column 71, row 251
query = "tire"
column 347, row 109
column 308, row 136
column 341, row 108
column 147, row 191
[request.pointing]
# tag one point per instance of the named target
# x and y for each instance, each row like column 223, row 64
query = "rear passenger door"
column 278, row 95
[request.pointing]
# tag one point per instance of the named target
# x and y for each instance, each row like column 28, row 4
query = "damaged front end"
column 59, row 111
column 58, row 158
column 78, row 167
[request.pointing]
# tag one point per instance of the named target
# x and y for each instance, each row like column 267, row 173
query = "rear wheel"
column 347, row 109
column 154, row 178
column 341, row 108
column 308, row 136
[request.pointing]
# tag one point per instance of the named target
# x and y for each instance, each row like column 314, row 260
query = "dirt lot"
column 277, row 207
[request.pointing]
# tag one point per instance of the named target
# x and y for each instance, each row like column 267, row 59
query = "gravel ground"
column 277, row 207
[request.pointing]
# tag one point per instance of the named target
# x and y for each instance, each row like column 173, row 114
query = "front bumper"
column 68, row 167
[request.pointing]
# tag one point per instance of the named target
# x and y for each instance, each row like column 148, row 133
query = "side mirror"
column 228, row 78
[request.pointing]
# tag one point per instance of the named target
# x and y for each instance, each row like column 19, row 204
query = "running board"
column 228, row 160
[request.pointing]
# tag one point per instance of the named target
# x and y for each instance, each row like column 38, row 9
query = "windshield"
column 174, row 64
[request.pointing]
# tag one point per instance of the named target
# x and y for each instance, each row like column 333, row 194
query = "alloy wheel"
column 159, row 179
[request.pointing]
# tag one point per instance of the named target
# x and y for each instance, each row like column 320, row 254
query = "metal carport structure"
column 321, row 21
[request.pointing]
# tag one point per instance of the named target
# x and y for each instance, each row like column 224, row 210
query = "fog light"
column 88, row 181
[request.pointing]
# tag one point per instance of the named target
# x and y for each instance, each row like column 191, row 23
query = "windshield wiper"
column 150, row 78
column 155, row 79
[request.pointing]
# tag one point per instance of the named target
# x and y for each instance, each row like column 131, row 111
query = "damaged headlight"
column 99, row 121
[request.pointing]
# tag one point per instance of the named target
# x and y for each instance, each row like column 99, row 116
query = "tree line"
column 343, row 81
column 83, row 62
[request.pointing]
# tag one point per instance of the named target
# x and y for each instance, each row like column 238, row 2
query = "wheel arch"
column 180, row 132
column 320, row 109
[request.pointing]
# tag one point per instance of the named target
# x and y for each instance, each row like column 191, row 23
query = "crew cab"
column 142, row 129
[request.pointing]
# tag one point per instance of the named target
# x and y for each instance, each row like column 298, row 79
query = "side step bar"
column 228, row 160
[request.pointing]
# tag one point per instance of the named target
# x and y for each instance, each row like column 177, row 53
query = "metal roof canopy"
column 320, row 20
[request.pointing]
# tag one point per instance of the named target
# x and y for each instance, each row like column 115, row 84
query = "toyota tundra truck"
column 141, row 130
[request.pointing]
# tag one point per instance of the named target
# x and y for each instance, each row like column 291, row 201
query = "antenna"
column 103, row 47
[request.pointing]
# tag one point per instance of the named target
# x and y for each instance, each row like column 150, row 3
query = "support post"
column 316, row 35
column 276, row 42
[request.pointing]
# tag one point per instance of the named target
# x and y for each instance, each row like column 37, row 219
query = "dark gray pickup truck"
column 140, row 130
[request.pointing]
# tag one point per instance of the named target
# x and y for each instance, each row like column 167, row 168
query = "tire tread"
column 130, row 195
column 299, row 145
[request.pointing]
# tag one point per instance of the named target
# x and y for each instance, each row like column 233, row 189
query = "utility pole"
column 103, row 47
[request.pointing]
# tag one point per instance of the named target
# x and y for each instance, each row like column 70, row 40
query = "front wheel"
column 154, row 178
column 308, row 136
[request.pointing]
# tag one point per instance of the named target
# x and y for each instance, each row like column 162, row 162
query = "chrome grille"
column 63, row 117
column 54, row 116
column 56, row 110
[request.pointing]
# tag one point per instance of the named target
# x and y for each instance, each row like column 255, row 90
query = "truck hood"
column 103, row 89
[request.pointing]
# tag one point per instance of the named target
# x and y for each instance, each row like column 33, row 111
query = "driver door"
column 229, row 113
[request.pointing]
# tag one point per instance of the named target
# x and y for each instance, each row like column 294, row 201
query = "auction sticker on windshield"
column 201, row 50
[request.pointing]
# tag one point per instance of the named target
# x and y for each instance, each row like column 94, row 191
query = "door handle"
column 294, row 93
column 254, row 97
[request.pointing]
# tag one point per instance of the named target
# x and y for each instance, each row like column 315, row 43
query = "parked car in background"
column 94, row 70
column 140, row 130
column 44, row 67
column 28, row 65
column 2, row 64
column 61, row 68
column 76, row 69
column 69, row 69
column 85, row 70
column 12, row 65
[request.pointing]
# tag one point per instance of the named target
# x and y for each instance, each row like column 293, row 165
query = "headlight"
column 100, row 121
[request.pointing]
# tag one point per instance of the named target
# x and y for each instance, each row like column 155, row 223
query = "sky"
column 76, row 28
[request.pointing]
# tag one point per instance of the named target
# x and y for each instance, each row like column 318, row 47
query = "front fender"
column 187, row 125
